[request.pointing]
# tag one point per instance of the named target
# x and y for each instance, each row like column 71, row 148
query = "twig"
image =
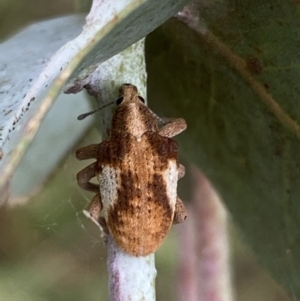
column 130, row 278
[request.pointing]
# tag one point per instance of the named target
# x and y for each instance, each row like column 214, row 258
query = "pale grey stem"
column 130, row 278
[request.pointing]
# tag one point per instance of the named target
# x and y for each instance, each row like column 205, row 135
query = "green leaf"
column 234, row 75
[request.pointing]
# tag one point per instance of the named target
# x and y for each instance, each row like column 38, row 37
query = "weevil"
column 137, row 169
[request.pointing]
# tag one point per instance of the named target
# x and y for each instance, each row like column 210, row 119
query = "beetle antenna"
column 82, row 116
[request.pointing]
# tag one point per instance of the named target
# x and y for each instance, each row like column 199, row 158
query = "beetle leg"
column 94, row 210
column 173, row 128
column 180, row 212
column 95, row 207
column 87, row 152
column 84, row 176
column 103, row 224
column 181, row 171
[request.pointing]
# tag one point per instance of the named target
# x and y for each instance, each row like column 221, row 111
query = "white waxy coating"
column 171, row 177
column 108, row 180
column 128, row 274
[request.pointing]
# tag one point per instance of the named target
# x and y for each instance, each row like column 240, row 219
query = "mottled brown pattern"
column 139, row 222
column 140, row 213
column 114, row 150
column 125, row 116
column 159, row 193
column 164, row 147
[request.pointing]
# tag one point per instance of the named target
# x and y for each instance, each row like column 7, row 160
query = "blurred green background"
column 49, row 251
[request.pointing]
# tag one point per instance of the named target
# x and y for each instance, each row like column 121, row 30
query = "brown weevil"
column 137, row 168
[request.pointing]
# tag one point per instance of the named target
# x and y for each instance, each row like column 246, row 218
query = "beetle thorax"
column 133, row 119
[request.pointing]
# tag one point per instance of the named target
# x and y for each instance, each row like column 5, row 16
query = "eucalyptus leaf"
column 232, row 71
column 110, row 28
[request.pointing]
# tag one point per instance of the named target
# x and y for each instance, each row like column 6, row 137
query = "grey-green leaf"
column 110, row 28
column 234, row 76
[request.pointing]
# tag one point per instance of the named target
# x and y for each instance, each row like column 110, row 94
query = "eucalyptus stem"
column 130, row 278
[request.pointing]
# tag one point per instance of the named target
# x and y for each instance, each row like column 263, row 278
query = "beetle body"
column 137, row 168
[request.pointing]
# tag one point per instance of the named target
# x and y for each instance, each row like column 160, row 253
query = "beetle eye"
column 141, row 99
column 119, row 100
